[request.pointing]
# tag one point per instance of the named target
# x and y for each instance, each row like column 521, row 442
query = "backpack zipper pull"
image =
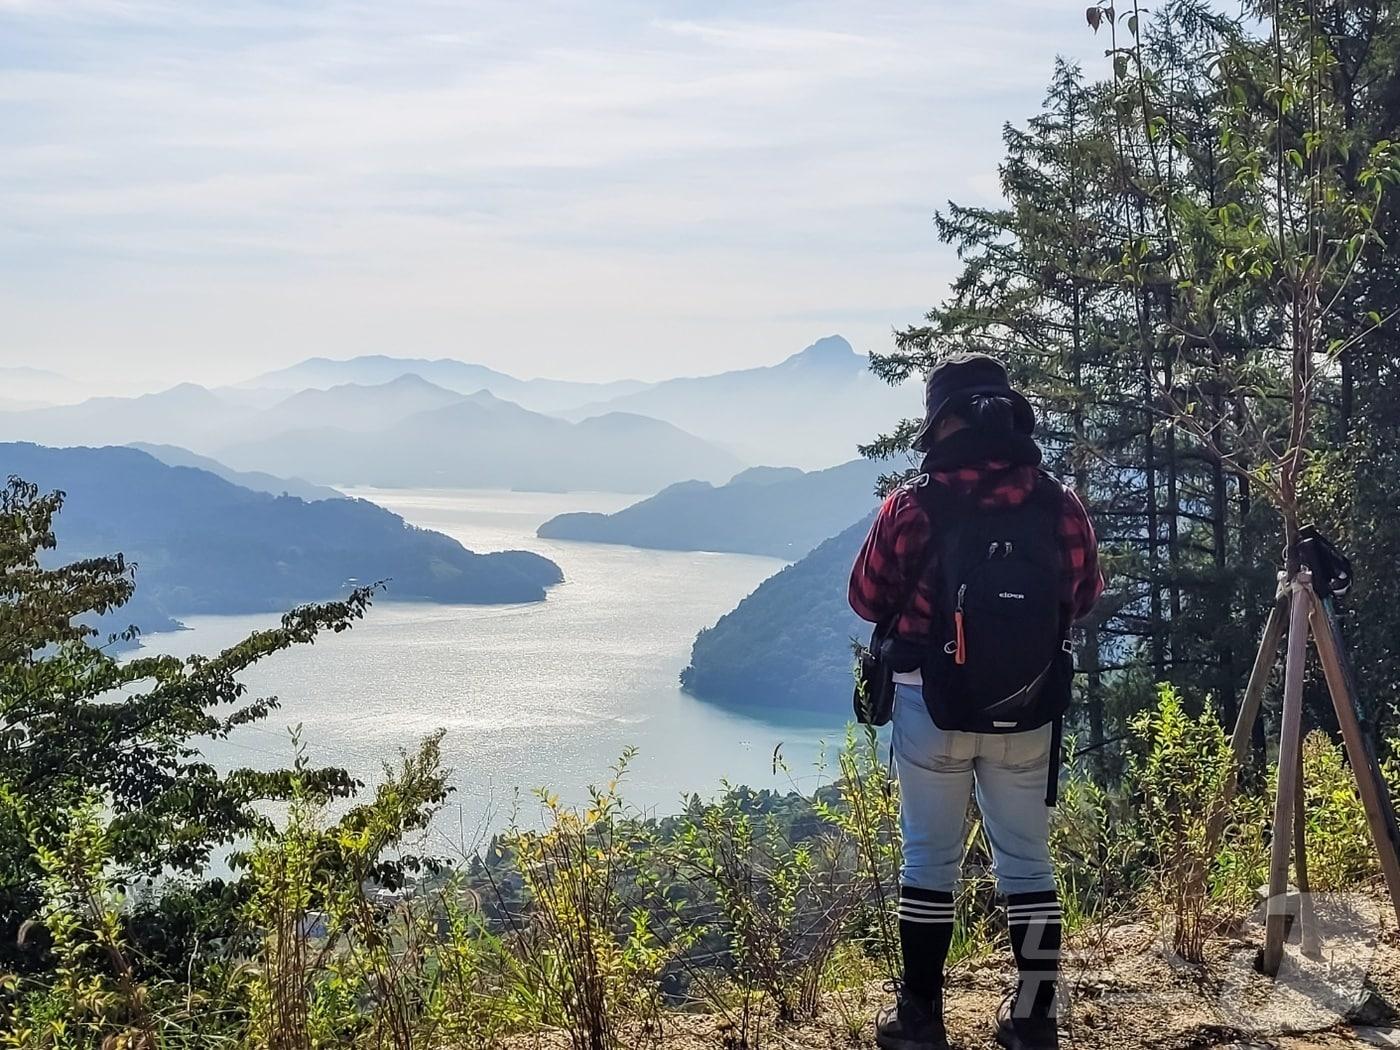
column 960, row 653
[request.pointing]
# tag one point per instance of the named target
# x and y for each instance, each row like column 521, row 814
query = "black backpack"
column 999, row 660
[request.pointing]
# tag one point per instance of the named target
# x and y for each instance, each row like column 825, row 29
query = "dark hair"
column 987, row 413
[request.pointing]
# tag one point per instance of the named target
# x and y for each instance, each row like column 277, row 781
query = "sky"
column 590, row 190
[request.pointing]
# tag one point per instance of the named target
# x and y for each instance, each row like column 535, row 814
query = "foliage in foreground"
column 756, row 906
column 80, row 729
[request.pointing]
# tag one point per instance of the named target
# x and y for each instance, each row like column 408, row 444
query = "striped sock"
column 925, row 935
column 1033, row 921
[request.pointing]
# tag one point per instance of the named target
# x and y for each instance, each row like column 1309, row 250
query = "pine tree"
column 1186, row 254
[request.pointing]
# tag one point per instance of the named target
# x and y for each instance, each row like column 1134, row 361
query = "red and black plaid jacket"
column 895, row 549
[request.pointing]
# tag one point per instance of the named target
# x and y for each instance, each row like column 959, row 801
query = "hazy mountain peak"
column 21, row 385
column 389, row 361
column 765, row 475
column 624, row 420
column 462, row 377
column 413, row 381
column 377, row 370
column 480, row 440
column 832, row 351
column 811, row 410
column 185, row 392
column 485, row 397
column 408, row 383
column 356, row 405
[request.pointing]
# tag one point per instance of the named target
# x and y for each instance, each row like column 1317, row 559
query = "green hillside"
column 783, row 513
column 788, row 644
column 204, row 545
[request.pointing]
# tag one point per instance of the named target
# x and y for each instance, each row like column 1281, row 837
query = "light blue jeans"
column 937, row 772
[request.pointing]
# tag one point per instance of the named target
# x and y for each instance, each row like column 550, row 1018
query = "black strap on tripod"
column 1331, row 569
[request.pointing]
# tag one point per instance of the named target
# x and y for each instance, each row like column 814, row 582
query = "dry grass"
column 1127, row 990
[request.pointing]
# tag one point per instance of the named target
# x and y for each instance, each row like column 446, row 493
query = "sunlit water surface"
column 542, row 695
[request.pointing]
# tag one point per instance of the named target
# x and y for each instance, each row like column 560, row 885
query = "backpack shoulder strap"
column 919, row 488
column 1048, row 487
column 1050, row 493
column 926, row 489
column 1049, row 496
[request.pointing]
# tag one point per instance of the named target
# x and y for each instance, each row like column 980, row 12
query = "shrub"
column 349, row 953
column 93, row 994
column 865, row 810
column 1098, row 850
column 1176, row 777
column 1340, row 850
column 588, row 937
column 780, row 905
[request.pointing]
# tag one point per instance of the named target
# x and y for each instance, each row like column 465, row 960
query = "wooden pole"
column 1307, row 914
column 1259, row 677
column 1379, row 813
column 1264, row 661
column 1290, row 735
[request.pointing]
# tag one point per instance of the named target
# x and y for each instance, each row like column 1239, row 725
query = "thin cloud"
column 197, row 190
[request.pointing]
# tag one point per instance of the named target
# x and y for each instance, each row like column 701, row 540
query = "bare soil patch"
column 1125, row 990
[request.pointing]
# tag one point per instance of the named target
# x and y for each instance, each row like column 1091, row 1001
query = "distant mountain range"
column 809, row 411
column 783, row 513
column 204, row 545
column 481, row 441
column 22, row 387
column 354, row 406
column 187, row 415
column 411, row 421
column 541, row 395
column 788, row 644
column 174, row 456
column 405, row 432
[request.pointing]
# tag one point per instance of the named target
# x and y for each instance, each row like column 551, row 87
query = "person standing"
column 978, row 567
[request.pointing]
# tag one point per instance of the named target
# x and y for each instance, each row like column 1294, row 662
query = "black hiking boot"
column 1025, row 1033
column 912, row 1023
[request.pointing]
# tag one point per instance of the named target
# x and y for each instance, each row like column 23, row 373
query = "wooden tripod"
column 1299, row 611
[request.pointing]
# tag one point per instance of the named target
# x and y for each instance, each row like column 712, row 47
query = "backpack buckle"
column 950, row 649
column 1067, row 646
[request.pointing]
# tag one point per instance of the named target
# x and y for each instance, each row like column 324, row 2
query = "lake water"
column 542, row 695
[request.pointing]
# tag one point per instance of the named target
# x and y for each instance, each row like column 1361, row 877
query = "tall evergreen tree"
column 1190, row 275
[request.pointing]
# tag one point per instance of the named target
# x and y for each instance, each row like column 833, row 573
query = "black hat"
column 954, row 380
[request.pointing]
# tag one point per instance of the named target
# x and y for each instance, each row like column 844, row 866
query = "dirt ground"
column 1124, row 989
